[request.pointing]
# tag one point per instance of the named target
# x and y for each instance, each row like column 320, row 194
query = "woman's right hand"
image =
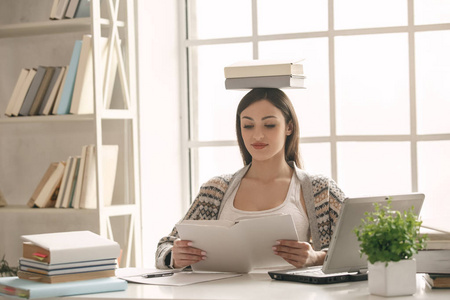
column 183, row 254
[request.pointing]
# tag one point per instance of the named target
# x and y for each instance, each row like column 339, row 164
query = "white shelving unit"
column 121, row 34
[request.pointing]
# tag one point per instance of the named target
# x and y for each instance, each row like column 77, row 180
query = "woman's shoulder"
column 220, row 182
column 321, row 183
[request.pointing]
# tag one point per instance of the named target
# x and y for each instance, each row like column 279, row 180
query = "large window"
column 374, row 116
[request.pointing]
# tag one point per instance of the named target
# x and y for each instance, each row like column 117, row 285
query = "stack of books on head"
column 72, row 184
column 264, row 74
column 65, row 263
column 434, row 260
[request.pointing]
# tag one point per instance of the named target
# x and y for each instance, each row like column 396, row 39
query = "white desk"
column 260, row 286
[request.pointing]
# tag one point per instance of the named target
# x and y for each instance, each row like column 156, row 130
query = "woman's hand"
column 184, row 255
column 298, row 254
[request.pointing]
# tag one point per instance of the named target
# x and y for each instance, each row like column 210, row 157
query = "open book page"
column 240, row 247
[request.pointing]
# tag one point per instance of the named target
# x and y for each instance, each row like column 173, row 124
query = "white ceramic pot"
column 395, row 279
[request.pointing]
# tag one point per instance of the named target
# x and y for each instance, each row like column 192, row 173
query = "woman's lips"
column 259, row 146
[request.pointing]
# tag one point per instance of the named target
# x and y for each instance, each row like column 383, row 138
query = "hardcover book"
column 67, row 92
column 256, row 68
column 28, row 289
column 67, row 247
column 282, row 81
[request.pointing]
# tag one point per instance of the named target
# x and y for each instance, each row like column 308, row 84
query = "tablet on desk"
column 343, row 261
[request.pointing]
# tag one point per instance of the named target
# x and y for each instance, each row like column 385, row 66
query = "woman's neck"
column 270, row 170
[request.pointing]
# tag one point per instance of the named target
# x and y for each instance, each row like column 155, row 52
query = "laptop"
column 343, row 261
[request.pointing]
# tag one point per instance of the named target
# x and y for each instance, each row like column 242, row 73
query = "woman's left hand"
column 298, row 254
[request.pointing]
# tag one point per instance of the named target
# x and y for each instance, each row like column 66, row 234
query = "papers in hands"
column 178, row 278
column 241, row 246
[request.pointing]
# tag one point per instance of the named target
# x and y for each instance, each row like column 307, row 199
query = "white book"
column 64, row 180
column 61, row 9
column 83, row 92
column 88, row 197
column 238, row 246
column 263, row 67
column 66, row 201
column 23, row 92
column 74, row 246
column 54, row 181
column 79, row 184
column 22, row 76
column 46, row 266
column 71, row 9
column 54, row 9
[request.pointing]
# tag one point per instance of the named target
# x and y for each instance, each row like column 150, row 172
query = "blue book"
column 66, row 97
column 28, row 289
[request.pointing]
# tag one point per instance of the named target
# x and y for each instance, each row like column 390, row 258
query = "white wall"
column 159, row 94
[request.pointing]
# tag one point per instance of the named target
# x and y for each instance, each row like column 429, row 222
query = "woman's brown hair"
column 281, row 101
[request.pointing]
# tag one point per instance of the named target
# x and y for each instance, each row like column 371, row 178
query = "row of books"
column 61, row 90
column 264, row 73
column 69, row 9
column 73, row 183
column 63, row 264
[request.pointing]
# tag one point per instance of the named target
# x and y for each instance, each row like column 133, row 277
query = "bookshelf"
column 119, row 125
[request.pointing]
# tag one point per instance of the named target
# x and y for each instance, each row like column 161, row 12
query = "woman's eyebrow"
column 264, row 118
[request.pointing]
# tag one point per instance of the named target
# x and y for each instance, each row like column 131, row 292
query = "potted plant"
column 390, row 239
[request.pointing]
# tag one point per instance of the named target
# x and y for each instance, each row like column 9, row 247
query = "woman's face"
column 264, row 130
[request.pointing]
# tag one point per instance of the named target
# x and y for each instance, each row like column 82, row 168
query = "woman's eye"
column 270, row 125
column 248, row 126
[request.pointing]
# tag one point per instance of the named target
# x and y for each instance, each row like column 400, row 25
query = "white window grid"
column 189, row 96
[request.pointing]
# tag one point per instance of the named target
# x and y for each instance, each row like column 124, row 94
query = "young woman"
column 271, row 182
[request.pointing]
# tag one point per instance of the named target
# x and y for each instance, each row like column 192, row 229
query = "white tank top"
column 291, row 205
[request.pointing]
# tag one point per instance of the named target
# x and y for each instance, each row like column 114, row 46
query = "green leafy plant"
column 387, row 235
column 6, row 270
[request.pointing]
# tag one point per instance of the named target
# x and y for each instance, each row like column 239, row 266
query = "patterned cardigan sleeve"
column 328, row 199
column 205, row 207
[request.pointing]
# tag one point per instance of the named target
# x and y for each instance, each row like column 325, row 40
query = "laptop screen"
column 343, row 254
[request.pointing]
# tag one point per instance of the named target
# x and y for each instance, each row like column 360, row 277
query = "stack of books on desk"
column 65, row 264
column 434, row 260
column 67, row 256
column 264, row 74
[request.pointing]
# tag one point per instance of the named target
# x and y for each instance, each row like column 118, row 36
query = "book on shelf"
column 67, row 92
column 39, row 98
column 254, row 237
column 438, row 236
column 32, row 91
column 71, row 181
column 256, row 68
column 88, row 197
column 83, row 9
column 23, row 92
column 50, row 93
column 437, row 281
column 59, row 9
column 79, row 183
column 29, row 289
column 281, row 81
column 83, row 92
column 16, row 91
column 55, row 105
column 69, row 247
column 46, row 198
column 51, row 168
column 66, row 183
column 71, row 9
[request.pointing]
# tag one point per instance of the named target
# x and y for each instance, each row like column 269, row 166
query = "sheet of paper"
column 178, row 279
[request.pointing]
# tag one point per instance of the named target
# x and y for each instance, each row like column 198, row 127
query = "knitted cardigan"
column 323, row 200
